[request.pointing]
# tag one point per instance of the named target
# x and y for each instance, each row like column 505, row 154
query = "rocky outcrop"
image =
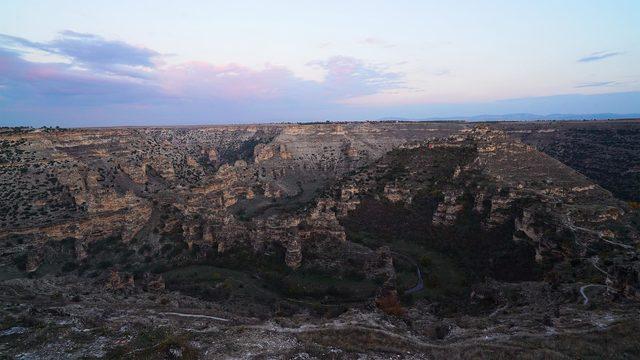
column 395, row 193
column 117, row 281
column 448, row 210
column 34, row 260
column 293, row 256
column 263, row 152
column 153, row 283
column 212, row 155
column 91, row 228
column 500, row 210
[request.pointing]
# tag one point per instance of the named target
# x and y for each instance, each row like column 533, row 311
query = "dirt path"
column 420, row 283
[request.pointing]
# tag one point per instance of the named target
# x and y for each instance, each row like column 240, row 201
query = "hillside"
column 419, row 239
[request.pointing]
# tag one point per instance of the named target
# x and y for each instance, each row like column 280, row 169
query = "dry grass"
column 389, row 302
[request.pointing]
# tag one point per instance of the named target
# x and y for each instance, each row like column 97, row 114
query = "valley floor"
column 69, row 318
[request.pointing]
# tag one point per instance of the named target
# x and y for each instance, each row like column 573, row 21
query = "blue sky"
column 74, row 63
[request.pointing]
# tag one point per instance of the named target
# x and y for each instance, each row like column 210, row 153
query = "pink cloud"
column 232, row 81
column 41, row 73
column 130, row 78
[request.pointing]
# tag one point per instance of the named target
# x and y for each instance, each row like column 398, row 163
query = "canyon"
column 325, row 240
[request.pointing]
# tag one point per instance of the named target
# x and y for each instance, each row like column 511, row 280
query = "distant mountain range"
column 522, row 117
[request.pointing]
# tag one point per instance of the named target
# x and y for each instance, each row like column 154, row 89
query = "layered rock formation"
column 463, row 231
column 94, row 184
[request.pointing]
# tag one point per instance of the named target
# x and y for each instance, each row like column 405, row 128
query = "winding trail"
column 583, row 288
column 420, row 283
column 194, row 316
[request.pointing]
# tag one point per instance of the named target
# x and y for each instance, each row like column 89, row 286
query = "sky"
column 108, row 63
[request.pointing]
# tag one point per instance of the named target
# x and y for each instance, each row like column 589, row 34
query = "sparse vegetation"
column 156, row 243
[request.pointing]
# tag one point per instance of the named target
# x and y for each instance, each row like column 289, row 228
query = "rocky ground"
column 528, row 324
column 374, row 240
